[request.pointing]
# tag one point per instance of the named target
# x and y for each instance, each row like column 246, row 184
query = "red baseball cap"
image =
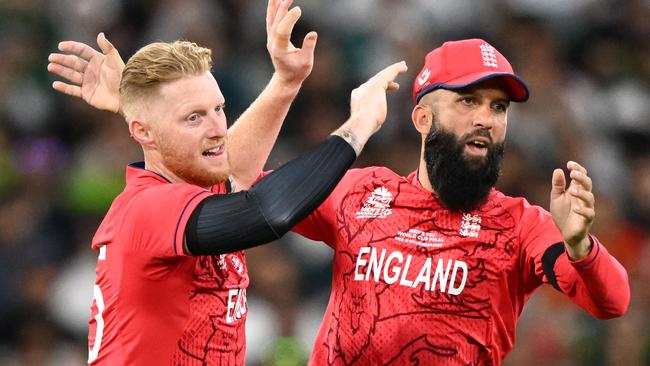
column 458, row 64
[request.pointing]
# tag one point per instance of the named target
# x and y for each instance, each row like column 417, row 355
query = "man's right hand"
column 92, row 75
column 368, row 106
column 291, row 64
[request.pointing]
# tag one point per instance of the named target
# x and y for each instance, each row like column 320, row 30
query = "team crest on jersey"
column 470, row 225
column 377, row 205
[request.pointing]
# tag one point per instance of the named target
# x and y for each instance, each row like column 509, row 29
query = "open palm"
column 291, row 63
column 92, row 75
column 572, row 207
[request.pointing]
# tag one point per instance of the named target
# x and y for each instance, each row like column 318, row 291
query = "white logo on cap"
column 489, row 56
column 424, row 76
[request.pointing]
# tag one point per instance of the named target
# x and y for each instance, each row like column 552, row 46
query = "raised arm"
column 251, row 137
column 226, row 223
column 95, row 76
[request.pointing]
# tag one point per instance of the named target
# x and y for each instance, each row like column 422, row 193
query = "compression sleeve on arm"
column 231, row 222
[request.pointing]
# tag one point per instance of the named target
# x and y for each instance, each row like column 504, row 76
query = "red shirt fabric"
column 153, row 304
column 415, row 283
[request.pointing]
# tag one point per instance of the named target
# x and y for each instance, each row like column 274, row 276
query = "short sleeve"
column 159, row 215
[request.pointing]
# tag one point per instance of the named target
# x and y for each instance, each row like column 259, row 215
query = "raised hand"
column 291, row 64
column 92, row 75
column 368, row 106
column 369, row 99
column 573, row 209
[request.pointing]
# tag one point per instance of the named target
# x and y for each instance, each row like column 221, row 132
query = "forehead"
column 191, row 89
column 496, row 88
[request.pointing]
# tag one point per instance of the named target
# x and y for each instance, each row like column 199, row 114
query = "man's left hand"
column 573, row 209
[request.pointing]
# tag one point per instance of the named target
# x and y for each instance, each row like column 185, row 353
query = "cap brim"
column 517, row 88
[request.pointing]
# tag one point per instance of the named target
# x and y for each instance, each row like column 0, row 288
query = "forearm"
column 227, row 223
column 598, row 283
column 251, row 137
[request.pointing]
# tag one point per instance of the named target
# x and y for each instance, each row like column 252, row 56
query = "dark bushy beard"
column 461, row 183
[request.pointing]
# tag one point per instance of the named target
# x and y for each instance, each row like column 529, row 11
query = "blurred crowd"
column 587, row 63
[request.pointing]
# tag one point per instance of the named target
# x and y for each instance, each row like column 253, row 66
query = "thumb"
column 104, row 44
column 309, row 42
column 558, row 184
column 392, row 86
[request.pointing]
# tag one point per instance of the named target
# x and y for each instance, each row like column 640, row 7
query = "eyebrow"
column 192, row 107
column 472, row 91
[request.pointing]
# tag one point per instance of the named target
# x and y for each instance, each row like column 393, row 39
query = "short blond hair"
column 159, row 63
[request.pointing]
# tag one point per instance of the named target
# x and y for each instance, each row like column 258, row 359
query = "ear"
column 141, row 132
column 422, row 117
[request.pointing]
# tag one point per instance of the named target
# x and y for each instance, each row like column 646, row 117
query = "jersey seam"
column 180, row 218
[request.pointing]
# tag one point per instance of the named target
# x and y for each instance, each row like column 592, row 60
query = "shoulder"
column 372, row 173
column 518, row 207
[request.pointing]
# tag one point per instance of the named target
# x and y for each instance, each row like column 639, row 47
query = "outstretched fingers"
column 69, row 73
column 104, row 43
column 280, row 12
column 68, row 89
column 285, row 28
column 271, row 11
column 387, row 76
column 584, row 203
column 580, row 190
column 68, row 61
column 558, row 183
column 77, row 48
column 579, row 175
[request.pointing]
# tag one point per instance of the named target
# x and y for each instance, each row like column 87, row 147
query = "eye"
column 194, row 118
column 468, row 101
column 220, row 108
column 500, row 107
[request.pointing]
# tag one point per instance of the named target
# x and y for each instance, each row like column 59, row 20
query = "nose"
column 218, row 125
column 484, row 117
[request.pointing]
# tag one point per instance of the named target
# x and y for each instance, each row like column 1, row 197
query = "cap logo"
column 489, row 56
column 424, row 76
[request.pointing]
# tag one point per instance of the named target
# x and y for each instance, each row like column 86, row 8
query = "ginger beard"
column 184, row 162
column 461, row 183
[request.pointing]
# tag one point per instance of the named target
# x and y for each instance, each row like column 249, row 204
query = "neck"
column 423, row 176
column 154, row 165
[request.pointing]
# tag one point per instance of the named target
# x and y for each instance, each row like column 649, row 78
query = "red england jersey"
column 153, row 304
column 415, row 283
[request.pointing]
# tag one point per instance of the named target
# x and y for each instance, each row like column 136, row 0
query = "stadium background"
column 587, row 63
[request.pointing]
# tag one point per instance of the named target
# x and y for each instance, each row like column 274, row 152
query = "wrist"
column 579, row 250
column 355, row 132
column 284, row 87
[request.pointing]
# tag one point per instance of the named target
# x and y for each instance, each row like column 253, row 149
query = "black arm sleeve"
column 230, row 222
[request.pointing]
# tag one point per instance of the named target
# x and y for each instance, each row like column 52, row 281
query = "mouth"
column 477, row 146
column 214, row 152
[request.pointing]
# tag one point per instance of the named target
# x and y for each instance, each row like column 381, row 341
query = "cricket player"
column 171, row 274
column 436, row 267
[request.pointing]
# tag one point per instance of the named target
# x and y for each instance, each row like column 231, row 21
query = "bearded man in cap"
column 436, row 267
